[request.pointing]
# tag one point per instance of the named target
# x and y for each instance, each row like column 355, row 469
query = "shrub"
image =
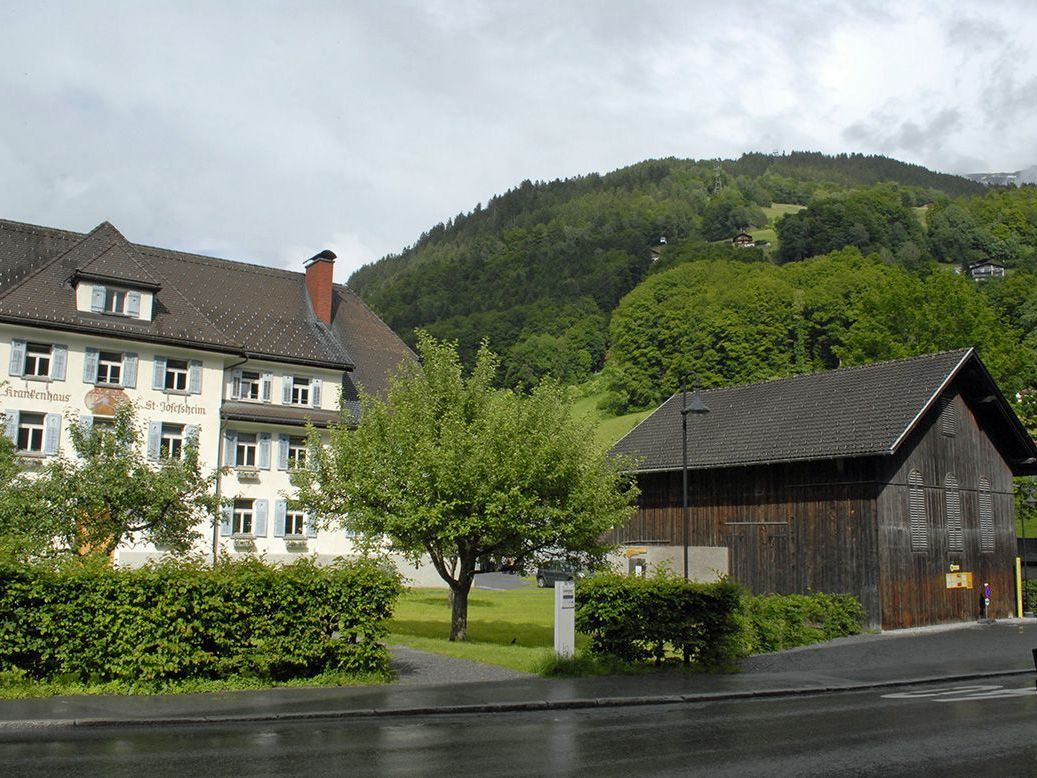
column 633, row 619
column 775, row 622
column 176, row 621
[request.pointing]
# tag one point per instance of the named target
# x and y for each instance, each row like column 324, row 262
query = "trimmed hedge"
column 634, row 619
column 775, row 622
column 176, row 621
column 711, row 625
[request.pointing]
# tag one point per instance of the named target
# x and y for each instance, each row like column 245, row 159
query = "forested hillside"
column 636, row 268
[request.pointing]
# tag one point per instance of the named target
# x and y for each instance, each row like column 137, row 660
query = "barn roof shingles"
column 850, row 412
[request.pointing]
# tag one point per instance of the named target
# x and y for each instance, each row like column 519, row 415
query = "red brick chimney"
column 319, row 271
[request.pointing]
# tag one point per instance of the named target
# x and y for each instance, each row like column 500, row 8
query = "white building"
column 239, row 355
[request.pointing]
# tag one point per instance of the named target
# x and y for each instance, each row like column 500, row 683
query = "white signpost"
column 565, row 618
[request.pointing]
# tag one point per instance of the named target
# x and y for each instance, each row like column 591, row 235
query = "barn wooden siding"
column 789, row 528
column 913, row 583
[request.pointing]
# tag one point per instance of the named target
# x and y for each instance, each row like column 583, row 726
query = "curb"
column 27, row 725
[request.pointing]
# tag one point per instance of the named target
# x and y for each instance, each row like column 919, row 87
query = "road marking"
column 963, row 693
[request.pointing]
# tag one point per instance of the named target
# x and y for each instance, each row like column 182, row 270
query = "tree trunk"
column 459, row 607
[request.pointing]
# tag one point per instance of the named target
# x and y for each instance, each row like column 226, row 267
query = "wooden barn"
column 891, row 482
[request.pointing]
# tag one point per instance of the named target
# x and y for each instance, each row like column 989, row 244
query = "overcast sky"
column 266, row 131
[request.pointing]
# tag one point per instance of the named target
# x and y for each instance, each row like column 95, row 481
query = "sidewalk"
column 904, row 657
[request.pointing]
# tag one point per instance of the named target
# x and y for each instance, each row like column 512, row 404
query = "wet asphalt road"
column 974, row 728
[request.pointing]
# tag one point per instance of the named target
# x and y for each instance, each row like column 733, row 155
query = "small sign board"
column 959, row 580
column 565, row 618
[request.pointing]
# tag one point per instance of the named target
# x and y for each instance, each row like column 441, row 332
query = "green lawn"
column 512, row 629
column 607, row 428
column 780, row 209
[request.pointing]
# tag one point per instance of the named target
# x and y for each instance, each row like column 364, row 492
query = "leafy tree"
column 736, row 323
column 870, row 219
column 108, row 493
column 450, row 469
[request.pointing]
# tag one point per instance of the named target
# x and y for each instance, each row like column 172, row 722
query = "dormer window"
column 114, row 301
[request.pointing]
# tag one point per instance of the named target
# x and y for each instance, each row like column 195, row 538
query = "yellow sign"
column 633, row 551
column 959, row 580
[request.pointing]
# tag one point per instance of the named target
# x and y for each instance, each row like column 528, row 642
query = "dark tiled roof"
column 852, row 412
column 105, row 254
column 203, row 302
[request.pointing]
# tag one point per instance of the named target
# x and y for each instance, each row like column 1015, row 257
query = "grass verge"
column 513, row 629
column 13, row 687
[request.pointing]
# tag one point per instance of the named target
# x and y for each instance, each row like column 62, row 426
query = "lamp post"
column 697, row 407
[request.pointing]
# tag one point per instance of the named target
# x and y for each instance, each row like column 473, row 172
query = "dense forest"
column 634, row 273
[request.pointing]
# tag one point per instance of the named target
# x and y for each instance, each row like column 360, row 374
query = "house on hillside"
column 743, row 240
column 235, row 356
column 985, row 270
column 891, row 482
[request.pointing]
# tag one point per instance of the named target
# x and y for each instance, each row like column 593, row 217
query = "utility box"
column 565, row 618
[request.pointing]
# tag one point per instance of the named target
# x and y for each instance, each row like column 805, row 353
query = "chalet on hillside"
column 985, row 270
column 743, row 240
column 891, row 482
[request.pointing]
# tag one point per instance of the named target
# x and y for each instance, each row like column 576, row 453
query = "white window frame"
column 295, row 521
column 115, row 301
column 246, row 447
column 243, row 521
column 250, row 386
column 298, row 452
column 31, row 431
column 172, row 442
column 178, row 371
column 300, row 390
column 34, row 357
column 107, row 366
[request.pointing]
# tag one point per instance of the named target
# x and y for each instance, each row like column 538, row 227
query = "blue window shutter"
column 11, row 426
column 194, row 376
column 133, row 303
column 51, row 433
column 154, row 439
column 266, row 384
column 315, row 392
column 129, row 370
column 310, row 525
column 282, row 452
column 259, row 510
column 97, row 299
column 286, row 389
column 230, row 444
column 158, row 375
column 17, row 366
column 58, row 361
column 264, row 450
column 90, row 366
column 86, row 423
column 191, row 433
column 235, row 385
column 280, row 512
column 226, row 517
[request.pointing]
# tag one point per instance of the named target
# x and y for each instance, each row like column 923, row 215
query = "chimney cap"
column 325, row 256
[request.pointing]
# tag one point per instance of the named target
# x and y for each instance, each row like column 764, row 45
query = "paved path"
column 419, row 668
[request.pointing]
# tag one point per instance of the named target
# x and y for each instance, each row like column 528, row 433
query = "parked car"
column 552, row 571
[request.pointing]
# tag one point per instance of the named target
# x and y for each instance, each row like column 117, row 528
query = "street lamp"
column 698, row 407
